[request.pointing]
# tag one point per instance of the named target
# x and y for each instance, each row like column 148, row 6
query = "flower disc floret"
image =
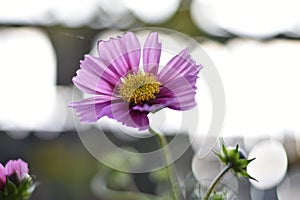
column 139, row 88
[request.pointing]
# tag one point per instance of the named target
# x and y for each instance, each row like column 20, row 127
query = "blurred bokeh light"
column 28, row 68
column 269, row 169
column 259, row 19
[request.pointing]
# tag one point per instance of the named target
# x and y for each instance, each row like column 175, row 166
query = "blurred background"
column 254, row 44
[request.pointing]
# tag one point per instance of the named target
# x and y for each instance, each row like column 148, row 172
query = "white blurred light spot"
column 73, row 13
column 270, row 165
column 251, row 18
column 289, row 188
column 24, row 12
column 202, row 15
column 261, row 83
column 28, row 73
column 155, row 11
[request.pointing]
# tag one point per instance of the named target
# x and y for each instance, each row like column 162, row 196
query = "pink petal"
column 92, row 109
column 178, row 93
column 92, row 84
column 151, row 54
column 2, row 177
column 98, row 68
column 121, row 54
column 182, row 64
column 17, row 166
column 140, row 118
column 129, row 117
column 148, row 107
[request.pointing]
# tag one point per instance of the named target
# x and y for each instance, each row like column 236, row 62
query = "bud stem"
column 215, row 182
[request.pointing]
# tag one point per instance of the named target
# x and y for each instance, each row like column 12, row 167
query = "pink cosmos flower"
column 2, row 177
column 18, row 167
column 124, row 90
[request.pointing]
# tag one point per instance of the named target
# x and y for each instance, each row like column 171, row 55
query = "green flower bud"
column 236, row 159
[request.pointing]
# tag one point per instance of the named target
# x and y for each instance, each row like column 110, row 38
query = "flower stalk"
column 215, row 182
column 170, row 169
column 235, row 160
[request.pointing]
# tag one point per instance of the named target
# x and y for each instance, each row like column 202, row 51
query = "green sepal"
column 21, row 192
column 246, row 175
column 25, row 189
column 242, row 163
column 10, row 189
column 221, row 157
column 224, row 150
column 235, row 158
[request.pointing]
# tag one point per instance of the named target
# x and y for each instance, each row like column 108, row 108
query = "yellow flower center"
column 139, row 88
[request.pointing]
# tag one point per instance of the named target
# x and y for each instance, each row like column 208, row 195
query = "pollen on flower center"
column 139, row 88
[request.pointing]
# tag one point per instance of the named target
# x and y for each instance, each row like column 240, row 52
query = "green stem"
column 215, row 182
column 171, row 171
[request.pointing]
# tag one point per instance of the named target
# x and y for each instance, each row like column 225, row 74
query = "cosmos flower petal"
column 184, row 92
column 92, row 109
column 151, row 54
column 165, row 100
column 180, row 65
column 148, row 108
column 130, row 117
column 121, row 54
column 2, row 177
column 17, row 166
column 178, row 93
column 140, row 119
column 96, row 66
column 89, row 83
